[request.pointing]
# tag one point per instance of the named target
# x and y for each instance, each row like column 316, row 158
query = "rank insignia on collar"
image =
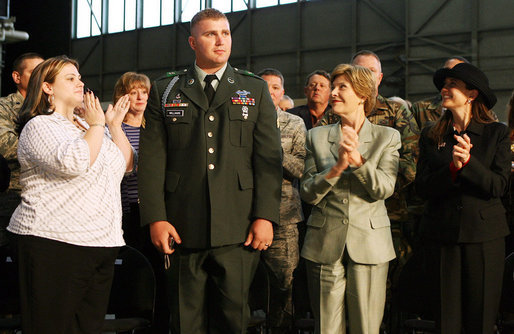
column 191, row 81
column 230, row 80
column 243, row 99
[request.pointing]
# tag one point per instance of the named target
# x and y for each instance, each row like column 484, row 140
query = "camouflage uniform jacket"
column 9, row 109
column 430, row 110
column 292, row 138
column 397, row 116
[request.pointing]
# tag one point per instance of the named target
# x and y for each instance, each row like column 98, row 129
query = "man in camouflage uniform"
column 282, row 256
column 9, row 109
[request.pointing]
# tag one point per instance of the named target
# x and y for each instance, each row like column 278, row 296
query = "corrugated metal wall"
column 412, row 38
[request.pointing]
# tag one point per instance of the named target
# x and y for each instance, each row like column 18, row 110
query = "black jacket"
column 469, row 209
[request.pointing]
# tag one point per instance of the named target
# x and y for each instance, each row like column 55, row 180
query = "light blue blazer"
column 349, row 210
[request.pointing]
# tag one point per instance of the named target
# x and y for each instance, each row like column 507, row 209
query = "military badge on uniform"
column 191, row 81
column 230, row 80
column 245, row 112
column 171, row 111
column 242, row 99
column 176, row 104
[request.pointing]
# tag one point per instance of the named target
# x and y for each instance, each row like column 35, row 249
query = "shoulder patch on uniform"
column 248, row 73
column 172, row 74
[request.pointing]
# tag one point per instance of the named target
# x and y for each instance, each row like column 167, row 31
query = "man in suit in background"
column 209, row 180
column 317, row 92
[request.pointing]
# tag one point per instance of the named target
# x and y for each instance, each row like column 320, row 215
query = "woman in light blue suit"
column 350, row 170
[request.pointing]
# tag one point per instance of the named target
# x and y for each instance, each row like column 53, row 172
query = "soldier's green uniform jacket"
column 395, row 115
column 210, row 171
column 430, row 110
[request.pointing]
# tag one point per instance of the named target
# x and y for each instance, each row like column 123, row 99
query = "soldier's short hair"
column 323, row 73
column 365, row 53
column 272, row 71
column 462, row 59
column 288, row 99
column 19, row 63
column 129, row 81
column 363, row 82
column 206, row 14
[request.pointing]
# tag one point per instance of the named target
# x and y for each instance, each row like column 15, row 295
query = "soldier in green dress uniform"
column 209, row 180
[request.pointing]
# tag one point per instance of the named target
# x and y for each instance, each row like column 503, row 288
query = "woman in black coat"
column 462, row 172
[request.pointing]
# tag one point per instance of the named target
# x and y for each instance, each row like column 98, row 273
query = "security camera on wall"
column 8, row 34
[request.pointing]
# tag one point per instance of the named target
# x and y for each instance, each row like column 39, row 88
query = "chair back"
column 133, row 286
column 10, row 317
column 9, row 291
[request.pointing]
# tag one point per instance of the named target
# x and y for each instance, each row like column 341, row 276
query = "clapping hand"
column 114, row 116
column 93, row 113
column 350, row 143
column 461, row 151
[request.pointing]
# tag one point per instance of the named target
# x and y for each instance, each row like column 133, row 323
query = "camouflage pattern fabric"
column 9, row 200
column 281, row 259
column 428, row 110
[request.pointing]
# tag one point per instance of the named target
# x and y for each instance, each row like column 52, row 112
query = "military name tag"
column 174, row 113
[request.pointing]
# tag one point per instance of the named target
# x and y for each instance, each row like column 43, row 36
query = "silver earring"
column 51, row 102
column 469, row 101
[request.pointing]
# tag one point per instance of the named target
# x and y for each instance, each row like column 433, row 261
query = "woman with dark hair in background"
column 68, row 225
column 463, row 170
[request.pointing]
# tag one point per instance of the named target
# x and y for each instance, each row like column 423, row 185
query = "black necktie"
column 209, row 90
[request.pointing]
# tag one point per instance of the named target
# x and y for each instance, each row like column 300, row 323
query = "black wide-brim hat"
column 472, row 76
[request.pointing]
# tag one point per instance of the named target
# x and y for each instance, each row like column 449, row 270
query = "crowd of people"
column 211, row 169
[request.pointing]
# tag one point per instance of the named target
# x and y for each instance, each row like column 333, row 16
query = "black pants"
column 208, row 291
column 467, row 283
column 64, row 288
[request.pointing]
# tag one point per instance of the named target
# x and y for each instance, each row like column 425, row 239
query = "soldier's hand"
column 161, row 233
column 260, row 235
